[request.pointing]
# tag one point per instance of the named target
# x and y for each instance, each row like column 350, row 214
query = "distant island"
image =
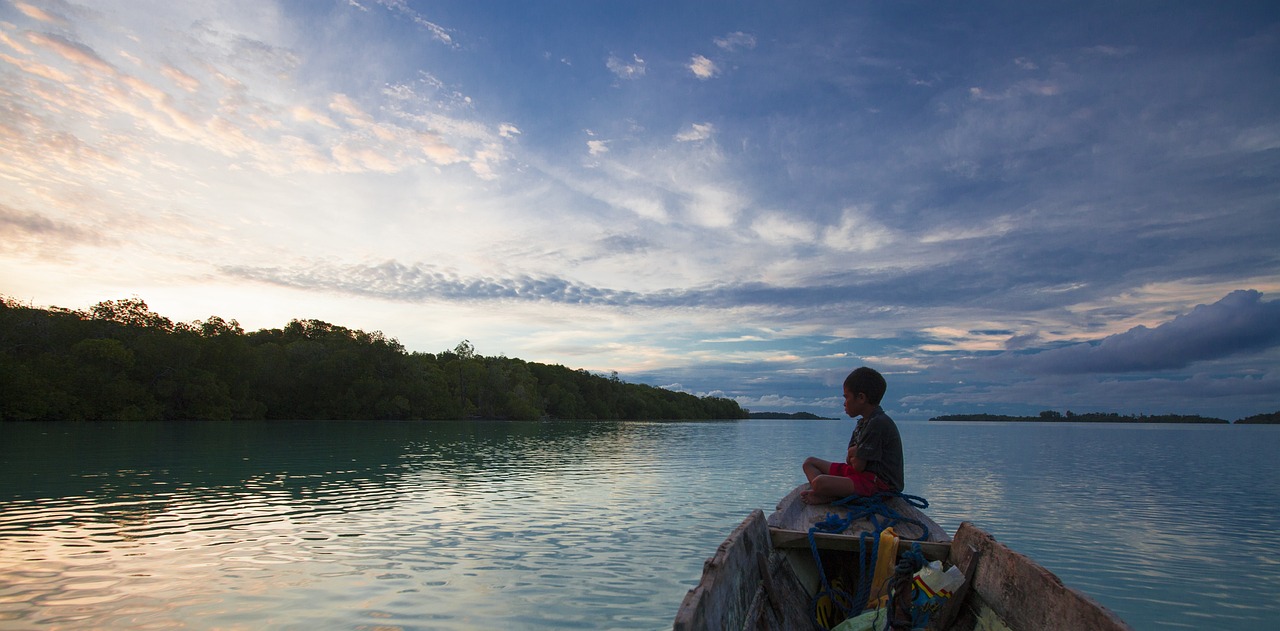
column 1261, row 419
column 1051, row 416
column 797, row 416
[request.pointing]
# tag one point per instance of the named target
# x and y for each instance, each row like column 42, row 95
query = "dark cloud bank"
column 1240, row 322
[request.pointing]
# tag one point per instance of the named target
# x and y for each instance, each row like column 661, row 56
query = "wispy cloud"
column 229, row 118
column 402, row 8
column 37, row 13
column 633, row 69
column 396, row 281
column 695, row 132
column 736, row 41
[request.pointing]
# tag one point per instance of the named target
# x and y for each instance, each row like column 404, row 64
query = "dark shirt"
column 880, row 447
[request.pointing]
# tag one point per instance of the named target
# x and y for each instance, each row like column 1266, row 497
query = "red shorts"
column 865, row 483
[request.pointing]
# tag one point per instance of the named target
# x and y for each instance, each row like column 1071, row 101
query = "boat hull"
column 763, row 576
column 747, row 584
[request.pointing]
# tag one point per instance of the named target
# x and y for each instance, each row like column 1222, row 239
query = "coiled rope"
column 900, row 595
column 876, row 510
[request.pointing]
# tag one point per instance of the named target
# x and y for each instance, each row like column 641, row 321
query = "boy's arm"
column 851, row 458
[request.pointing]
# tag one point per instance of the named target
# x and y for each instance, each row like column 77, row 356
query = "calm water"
column 461, row 525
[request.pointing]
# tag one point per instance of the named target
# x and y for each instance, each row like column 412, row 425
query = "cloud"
column 780, row 228
column 1023, row 88
column 626, row 70
column 677, row 387
column 396, row 281
column 1075, row 193
column 772, row 401
column 703, row 68
column 15, row 225
column 304, row 114
column 239, row 118
column 36, row 13
column 696, row 132
column 858, row 231
column 180, row 78
column 624, row 244
column 736, row 41
column 1241, row 322
column 342, row 104
column 677, row 183
column 15, row 45
column 392, row 280
column 401, row 7
column 1112, row 51
column 37, row 69
column 996, row 227
column 73, row 52
column 597, row 147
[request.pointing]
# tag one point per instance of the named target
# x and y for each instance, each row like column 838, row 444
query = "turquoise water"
column 460, row 525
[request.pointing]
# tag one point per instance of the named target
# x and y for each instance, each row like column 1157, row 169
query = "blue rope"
column 839, row 598
column 912, row 559
column 876, row 506
column 901, row 613
column 866, row 567
column 872, row 509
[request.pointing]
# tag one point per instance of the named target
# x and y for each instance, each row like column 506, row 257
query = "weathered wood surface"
column 1025, row 595
column 746, row 585
column 788, row 539
column 754, row 581
column 944, row 618
column 793, row 514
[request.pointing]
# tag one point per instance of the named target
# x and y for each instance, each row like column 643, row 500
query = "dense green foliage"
column 1087, row 417
column 121, row 361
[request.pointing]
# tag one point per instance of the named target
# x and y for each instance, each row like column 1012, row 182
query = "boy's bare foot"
column 809, row 497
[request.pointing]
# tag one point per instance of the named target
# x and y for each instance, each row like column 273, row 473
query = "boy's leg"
column 841, row 484
column 814, row 467
column 824, row 489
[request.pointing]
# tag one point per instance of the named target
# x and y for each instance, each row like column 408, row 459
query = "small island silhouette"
column 798, row 416
column 1051, row 416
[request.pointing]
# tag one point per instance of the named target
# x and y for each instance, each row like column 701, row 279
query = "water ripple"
column 562, row 525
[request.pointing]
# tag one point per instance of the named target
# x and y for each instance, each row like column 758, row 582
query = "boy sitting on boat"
column 873, row 462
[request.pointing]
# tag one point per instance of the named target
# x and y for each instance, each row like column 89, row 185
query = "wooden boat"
column 764, row 576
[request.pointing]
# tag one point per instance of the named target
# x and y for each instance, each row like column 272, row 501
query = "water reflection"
column 415, row 525
column 578, row 525
column 1158, row 522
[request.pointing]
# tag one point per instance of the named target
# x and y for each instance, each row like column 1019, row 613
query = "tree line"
column 1106, row 417
column 795, row 416
column 119, row 360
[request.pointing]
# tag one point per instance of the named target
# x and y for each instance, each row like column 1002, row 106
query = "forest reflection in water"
column 460, row 524
column 349, row 523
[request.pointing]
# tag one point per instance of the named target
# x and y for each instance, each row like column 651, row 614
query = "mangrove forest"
column 119, row 360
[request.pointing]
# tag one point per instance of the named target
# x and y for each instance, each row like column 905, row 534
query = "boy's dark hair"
column 868, row 382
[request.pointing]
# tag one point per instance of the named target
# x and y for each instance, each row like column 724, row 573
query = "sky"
column 1004, row 207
